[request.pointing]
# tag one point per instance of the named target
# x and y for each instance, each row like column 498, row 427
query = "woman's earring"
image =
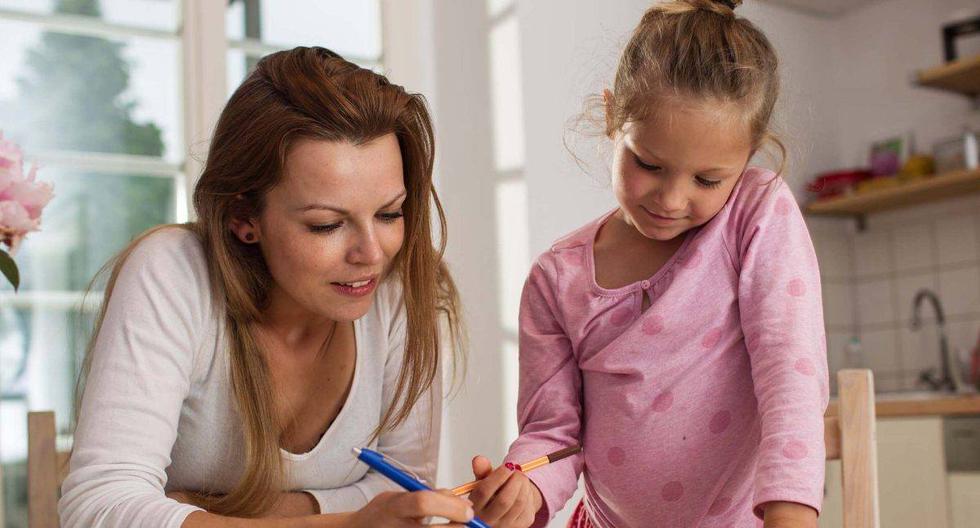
column 249, row 237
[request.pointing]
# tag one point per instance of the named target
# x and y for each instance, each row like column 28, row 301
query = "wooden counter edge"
column 941, row 405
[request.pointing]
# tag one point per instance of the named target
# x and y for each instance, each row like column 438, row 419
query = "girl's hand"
column 403, row 509
column 789, row 515
column 504, row 498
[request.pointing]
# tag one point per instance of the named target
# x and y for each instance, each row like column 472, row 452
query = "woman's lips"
column 356, row 288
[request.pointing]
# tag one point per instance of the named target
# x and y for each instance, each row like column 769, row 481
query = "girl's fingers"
column 488, row 487
column 481, row 466
column 506, row 498
column 420, row 504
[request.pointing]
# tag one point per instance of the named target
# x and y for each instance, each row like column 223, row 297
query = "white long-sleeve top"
column 158, row 412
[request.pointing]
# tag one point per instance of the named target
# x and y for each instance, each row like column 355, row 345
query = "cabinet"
column 964, row 499
column 912, row 481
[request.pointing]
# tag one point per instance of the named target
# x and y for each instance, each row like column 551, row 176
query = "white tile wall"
column 956, row 239
column 868, row 289
column 960, row 290
column 872, row 253
column 874, row 302
column 913, row 247
column 838, row 305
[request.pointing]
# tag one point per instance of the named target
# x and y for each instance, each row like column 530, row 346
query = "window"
column 95, row 91
column 258, row 27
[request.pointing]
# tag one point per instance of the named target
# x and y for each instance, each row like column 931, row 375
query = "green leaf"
column 9, row 269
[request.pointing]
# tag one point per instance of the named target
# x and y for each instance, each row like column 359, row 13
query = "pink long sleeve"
column 782, row 320
column 696, row 407
column 549, row 404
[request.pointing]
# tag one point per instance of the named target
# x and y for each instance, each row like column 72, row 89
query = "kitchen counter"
column 920, row 403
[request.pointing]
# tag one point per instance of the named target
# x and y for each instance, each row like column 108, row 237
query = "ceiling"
column 825, row 8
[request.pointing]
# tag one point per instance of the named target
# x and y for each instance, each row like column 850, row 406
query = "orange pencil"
column 525, row 467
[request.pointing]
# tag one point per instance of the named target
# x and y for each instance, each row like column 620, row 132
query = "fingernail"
column 470, row 514
column 511, row 466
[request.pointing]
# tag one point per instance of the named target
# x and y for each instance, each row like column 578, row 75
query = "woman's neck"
column 290, row 323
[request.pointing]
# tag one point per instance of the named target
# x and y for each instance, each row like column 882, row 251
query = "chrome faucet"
column 945, row 380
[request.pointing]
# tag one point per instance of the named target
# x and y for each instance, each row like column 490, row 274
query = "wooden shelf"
column 960, row 76
column 930, row 189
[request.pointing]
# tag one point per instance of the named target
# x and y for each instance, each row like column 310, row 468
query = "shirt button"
column 645, row 284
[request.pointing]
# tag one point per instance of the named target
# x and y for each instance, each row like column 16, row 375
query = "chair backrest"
column 46, row 469
column 850, row 438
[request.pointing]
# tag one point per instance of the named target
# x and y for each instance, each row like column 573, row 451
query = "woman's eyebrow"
column 320, row 206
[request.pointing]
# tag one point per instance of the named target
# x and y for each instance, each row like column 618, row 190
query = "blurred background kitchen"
column 116, row 99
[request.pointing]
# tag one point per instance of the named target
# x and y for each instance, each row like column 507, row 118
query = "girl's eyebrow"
column 636, row 147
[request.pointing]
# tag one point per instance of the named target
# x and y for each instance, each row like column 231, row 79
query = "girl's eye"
column 325, row 228
column 391, row 217
column 645, row 166
column 704, row 182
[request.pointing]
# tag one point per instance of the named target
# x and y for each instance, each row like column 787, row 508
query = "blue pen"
column 378, row 462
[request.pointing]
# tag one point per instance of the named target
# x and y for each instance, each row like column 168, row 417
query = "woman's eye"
column 390, row 217
column 325, row 228
column 645, row 166
column 704, row 182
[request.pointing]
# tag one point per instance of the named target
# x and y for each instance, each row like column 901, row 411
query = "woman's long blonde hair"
column 308, row 93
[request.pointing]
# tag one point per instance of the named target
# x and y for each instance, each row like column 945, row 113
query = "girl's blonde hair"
column 698, row 50
column 308, row 93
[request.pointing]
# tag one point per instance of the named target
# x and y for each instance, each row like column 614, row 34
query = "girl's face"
column 676, row 169
column 330, row 230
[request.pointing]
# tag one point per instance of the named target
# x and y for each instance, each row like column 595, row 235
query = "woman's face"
column 330, row 230
column 676, row 169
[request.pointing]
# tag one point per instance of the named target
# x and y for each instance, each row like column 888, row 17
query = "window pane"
column 82, row 93
column 91, row 217
column 352, row 29
column 153, row 14
column 239, row 64
column 44, row 348
column 43, row 327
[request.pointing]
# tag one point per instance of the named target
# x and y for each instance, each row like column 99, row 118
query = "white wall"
column 845, row 83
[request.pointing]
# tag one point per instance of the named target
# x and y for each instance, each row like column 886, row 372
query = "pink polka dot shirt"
column 704, row 406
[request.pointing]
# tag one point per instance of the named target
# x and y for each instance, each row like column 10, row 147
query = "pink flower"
column 11, row 159
column 21, row 198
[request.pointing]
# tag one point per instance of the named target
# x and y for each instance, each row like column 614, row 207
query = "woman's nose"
column 365, row 249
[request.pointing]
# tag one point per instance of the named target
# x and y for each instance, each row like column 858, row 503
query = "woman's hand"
column 789, row 515
column 404, row 509
column 504, row 498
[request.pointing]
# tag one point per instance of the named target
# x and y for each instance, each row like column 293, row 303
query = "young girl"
column 238, row 359
column 678, row 338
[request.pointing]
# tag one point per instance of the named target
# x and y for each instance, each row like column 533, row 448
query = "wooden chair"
column 46, row 469
column 850, row 438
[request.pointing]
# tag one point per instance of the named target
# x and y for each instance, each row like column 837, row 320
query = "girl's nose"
column 672, row 197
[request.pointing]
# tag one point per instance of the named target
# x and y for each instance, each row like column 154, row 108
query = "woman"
column 239, row 358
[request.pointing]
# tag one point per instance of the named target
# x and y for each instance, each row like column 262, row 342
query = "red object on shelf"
column 836, row 183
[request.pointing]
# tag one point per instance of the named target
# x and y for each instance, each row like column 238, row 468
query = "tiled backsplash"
column 870, row 278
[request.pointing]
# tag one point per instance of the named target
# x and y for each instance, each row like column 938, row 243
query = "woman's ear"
column 247, row 232
column 608, row 106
